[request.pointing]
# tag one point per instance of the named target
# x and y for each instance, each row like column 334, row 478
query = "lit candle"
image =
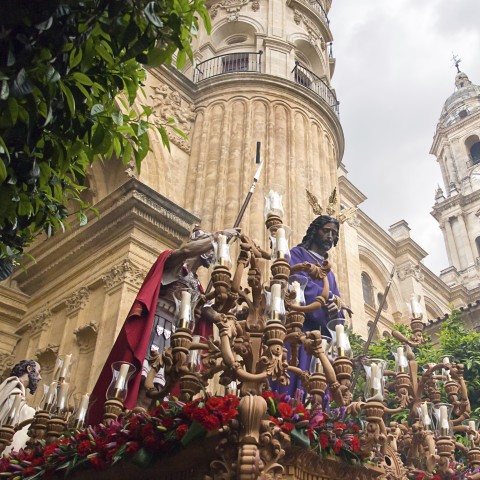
column 298, row 292
column 66, row 366
column 185, row 306
column 82, row 409
column 62, row 396
column 274, row 206
column 282, row 245
column 425, row 417
column 222, row 249
column 446, row 361
column 50, row 397
column 122, row 376
column 401, row 360
column 339, row 334
column 471, row 424
column 415, row 307
column 276, row 301
column 444, row 427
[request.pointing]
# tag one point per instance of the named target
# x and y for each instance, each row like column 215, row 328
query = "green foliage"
column 69, row 75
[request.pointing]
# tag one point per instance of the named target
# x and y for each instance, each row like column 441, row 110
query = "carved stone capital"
column 87, row 337
column 78, row 300
column 411, row 270
column 123, row 272
column 7, row 362
column 47, row 356
column 41, row 322
column 232, row 7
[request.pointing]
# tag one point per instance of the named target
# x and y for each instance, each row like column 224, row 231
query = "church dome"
column 462, row 103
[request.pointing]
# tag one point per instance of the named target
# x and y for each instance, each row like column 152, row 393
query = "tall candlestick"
column 276, row 301
column 62, row 396
column 65, row 366
column 122, row 377
column 185, row 307
column 82, row 409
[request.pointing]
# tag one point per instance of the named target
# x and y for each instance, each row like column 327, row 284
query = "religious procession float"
column 258, row 428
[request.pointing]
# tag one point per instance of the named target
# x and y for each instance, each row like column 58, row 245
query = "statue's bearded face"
column 326, row 237
column 34, row 378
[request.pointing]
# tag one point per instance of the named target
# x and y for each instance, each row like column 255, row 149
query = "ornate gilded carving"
column 77, row 300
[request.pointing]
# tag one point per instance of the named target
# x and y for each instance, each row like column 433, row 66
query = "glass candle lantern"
column 471, row 433
column 185, row 302
column 279, row 240
column 82, row 403
column 315, row 364
column 374, row 368
column 297, row 284
column 194, row 358
column 121, row 374
column 273, row 202
column 340, row 342
column 49, row 397
column 414, row 308
column 221, row 249
column 442, row 413
column 63, row 368
column 61, row 408
column 425, row 415
column 275, row 304
column 401, row 362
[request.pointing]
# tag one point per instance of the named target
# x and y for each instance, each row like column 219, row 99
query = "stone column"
column 452, row 244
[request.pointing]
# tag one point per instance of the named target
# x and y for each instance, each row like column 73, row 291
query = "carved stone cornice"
column 7, row 362
column 410, row 270
column 41, row 322
column 87, row 337
column 123, row 272
column 47, row 356
column 316, row 25
column 77, row 300
column 232, row 8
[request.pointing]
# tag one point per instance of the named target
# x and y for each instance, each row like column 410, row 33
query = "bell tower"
column 456, row 145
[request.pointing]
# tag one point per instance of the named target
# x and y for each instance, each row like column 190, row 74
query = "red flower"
column 37, row 461
column 267, row 395
column 181, row 431
column 150, row 442
column 354, row 428
column 50, row 449
column 147, row 430
column 287, row 427
column 167, row 422
column 132, row 448
column 340, row 425
column 83, row 448
column 4, row 464
column 228, row 414
column 189, row 408
column 97, row 463
column 199, row 414
column 211, row 422
column 337, row 447
column 214, row 404
column 355, row 444
column 285, row 410
column 420, row 476
column 28, row 472
column 323, row 439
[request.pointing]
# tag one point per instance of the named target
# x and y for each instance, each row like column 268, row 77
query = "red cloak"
column 132, row 341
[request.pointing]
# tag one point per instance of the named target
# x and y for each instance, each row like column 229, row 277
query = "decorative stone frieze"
column 87, row 337
column 354, row 221
column 167, row 104
column 232, row 7
column 41, row 322
column 123, row 272
column 78, row 300
column 7, row 362
column 315, row 37
column 411, row 270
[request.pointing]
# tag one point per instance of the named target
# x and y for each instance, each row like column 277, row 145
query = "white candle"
column 122, row 376
column 276, row 300
column 275, row 200
column 62, row 396
column 443, row 417
column 339, row 333
column 282, row 245
column 185, row 305
column 446, row 360
column 222, row 247
column 425, row 417
column 50, row 395
column 401, row 359
column 298, row 292
column 471, row 424
column 82, row 409
column 415, row 307
column 66, row 366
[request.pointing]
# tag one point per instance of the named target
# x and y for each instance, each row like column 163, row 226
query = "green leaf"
column 4, row 91
column 155, row 57
column 13, row 110
column 181, row 58
column 117, row 117
column 152, row 16
column 96, row 109
column 82, row 219
column 75, row 57
column 52, row 75
column 82, row 78
column 3, row 171
column 69, row 97
column 165, row 139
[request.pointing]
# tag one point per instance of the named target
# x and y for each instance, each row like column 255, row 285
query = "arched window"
column 475, row 152
column 379, row 299
column 367, row 288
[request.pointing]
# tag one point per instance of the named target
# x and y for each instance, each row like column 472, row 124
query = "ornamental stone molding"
column 354, row 221
column 41, row 322
column 87, row 337
column 77, row 300
column 166, row 104
column 315, row 37
column 411, row 270
column 232, row 7
column 123, row 272
column 47, row 356
column 7, row 362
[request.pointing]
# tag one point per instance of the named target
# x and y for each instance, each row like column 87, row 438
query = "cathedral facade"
column 263, row 75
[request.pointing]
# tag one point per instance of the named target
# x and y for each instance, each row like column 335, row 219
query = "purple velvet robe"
column 316, row 320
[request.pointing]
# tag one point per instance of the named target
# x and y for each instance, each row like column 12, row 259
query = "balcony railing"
column 308, row 79
column 229, row 63
column 318, row 7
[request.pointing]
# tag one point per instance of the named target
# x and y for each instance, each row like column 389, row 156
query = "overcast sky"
column 393, row 74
